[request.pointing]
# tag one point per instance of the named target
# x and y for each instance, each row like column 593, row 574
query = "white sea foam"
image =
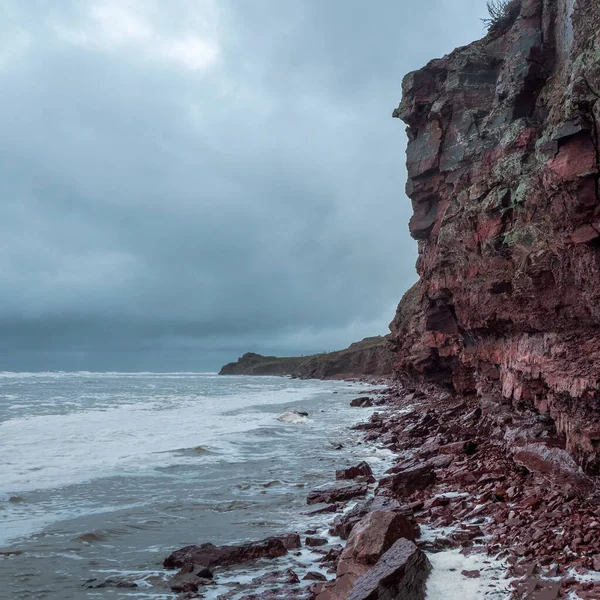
column 293, row 418
column 68, row 429
column 447, row 581
column 49, row 451
column 72, row 374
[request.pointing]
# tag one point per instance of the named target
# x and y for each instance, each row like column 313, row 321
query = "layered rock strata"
column 503, row 174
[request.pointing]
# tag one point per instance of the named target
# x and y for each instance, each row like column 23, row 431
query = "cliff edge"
column 503, row 174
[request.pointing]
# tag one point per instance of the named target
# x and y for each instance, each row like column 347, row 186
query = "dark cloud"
column 184, row 181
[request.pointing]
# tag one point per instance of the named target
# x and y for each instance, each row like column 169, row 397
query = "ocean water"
column 102, row 475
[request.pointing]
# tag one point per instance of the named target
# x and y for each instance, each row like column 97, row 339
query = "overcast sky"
column 185, row 180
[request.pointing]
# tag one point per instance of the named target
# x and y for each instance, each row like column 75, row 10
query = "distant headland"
column 371, row 357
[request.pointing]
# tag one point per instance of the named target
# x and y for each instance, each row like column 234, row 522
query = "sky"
column 183, row 181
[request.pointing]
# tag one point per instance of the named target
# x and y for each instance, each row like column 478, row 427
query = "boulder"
column 315, row 541
column 363, row 402
column 408, row 481
column 314, row 576
column 190, row 578
column 332, row 555
column 343, row 524
column 209, row 555
column 362, row 469
column 291, row 541
column 336, row 493
column 375, row 534
column 371, row 538
column 400, row 573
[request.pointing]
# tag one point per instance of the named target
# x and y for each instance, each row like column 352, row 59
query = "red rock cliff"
column 503, row 174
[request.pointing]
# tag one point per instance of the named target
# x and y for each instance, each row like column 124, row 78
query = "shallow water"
column 103, row 475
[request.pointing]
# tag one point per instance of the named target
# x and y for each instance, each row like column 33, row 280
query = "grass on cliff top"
column 502, row 14
column 370, row 342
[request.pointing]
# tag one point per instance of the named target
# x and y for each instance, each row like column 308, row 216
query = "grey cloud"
column 162, row 206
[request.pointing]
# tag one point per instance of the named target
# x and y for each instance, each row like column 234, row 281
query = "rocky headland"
column 493, row 413
column 369, row 358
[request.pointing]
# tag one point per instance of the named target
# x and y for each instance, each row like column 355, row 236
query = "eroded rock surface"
column 503, row 165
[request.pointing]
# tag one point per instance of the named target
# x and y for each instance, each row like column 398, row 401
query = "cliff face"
column 503, row 174
column 370, row 357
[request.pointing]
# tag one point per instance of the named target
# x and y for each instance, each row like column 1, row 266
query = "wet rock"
column 315, row 541
column 336, row 590
column 343, row 524
column 299, row 411
column 363, row 402
column 400, row 573
column 332, row 554
column 209, row 555
column 361, row 470
column 406, row 482
column 286, row 592
column 336, row 493
column 327, row 509
column 190, row 578
column 314, row 576
column 371, row 538
column 293, row 417
column 471, row 574
column 8, row 553
column 110, row 583
column 291, row 541
column 287, row 576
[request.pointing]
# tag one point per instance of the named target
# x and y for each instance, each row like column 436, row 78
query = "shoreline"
column 481, row 494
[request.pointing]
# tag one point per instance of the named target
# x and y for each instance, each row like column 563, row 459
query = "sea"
column 102, row 475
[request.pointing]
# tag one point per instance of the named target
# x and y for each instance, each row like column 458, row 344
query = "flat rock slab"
column 209, row 555
column 400, row 573
column 408, row 481
column 337, row 493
